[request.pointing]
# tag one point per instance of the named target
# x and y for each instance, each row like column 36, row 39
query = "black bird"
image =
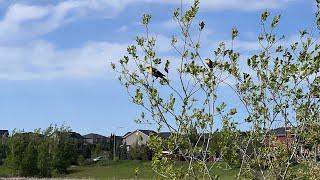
column 209, row 63
column 202, row 24
column 155, row 72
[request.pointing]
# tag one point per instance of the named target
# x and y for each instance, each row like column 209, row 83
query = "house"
column 4, row 134
column 76, row 136
column 283, row 135
column 287, row 137
column 164, row 135
column 95, row 139
column 137, row 137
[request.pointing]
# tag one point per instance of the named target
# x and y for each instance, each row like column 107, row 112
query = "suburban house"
column 137, row 137
column 287, row 137
column 4, row 134
column 76, row 136
column 164, row 135
column 95, row 139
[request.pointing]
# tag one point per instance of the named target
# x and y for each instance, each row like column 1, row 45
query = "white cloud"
column 237, row 5
column 27, row 21
column 244, row 5
column 42, row 60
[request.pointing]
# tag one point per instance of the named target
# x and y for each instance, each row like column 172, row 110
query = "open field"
column 120, row 170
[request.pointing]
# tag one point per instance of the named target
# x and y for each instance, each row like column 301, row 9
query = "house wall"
column 90, row 141
column 136, row 137
column 4, row 138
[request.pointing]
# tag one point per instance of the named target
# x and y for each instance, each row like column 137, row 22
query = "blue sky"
column 55, row 55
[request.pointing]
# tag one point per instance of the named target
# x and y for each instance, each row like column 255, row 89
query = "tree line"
column 50, row 152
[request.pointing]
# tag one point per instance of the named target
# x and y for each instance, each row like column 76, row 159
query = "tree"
column 282, row 87
column 16, row 148
column 3, row 152
column 192, row 99
column 44, row 159
column 62, row 151
column 97, row 151
column 140, row 152
column 38, row 154
column 29, row 161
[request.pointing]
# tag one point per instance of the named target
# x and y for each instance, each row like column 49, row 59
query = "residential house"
column 95, row 139
column 164, row 135
column 137, row 137
column 76, row 137
column 4, row 134
column 287, row 136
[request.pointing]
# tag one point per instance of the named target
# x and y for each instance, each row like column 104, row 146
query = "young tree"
column 281, row 88
column 44, row 159
column 16, row 149
column 181, row 100
column 62, row 151
column 29, row 161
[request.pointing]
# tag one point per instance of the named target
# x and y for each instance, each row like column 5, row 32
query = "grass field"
column 121, row 170
column 113, row 170
column 126, row 170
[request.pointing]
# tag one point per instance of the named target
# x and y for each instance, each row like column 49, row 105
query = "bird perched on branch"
column 209, row 63
column 155, row 72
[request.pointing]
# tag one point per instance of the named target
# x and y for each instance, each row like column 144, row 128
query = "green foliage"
column 44, row 159
column 281, row 88
column 3, row 152
column 40, row 153
column 97, row 151
column 81, row 160
column 140, row 152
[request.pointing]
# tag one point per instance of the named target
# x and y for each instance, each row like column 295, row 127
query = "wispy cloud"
column 25, row 21
column 236, row 5
column 42, row 60
column 23, row 55
column 244, row 5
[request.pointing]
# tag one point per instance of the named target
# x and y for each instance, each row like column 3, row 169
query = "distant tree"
column 17, row 145
column 29, row 161
column 140, row 152
column 97, row 151
column 62, row 151
column 3, row 152
column 123, row 152
column 38, row 154
column 44, row 159
column 81, row 160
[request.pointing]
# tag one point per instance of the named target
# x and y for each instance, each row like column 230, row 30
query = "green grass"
column 113, row 170
column 124, row 170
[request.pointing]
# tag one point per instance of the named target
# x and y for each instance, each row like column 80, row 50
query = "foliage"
column 97, row 151
column 3, row 152
column 140, row 152
column 40, row 153
column 279, row 86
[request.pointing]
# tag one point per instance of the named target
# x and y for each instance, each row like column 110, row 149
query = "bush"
column 81, row 160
